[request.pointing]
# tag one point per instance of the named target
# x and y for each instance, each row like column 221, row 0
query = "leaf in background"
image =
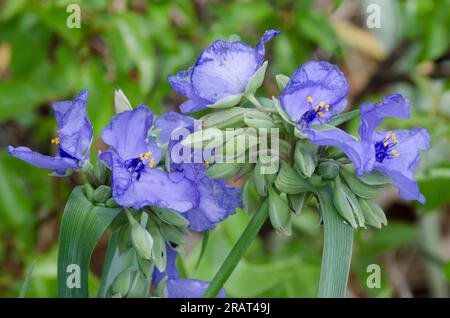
column 82, row 226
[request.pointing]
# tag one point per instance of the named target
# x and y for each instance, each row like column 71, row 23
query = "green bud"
column 138, row 286
column 250, row 196
column 146, row 266
column 290, row 182
column 279, row 213
column 298, row 201
column 347, row 204
column 375, row 178
column 121, row 102
column 223, row 170
column 172, row 233
column 256, row 80
column 227, row 101
column 100, row 172
column 281, row 111
column 88, row 191
column 358, row 187
column 142, row 240
column 282, row 80
column 259, row 180
column 101, row 194
column 121, row 284
column 170, row 217
column 304, row 156
column 226, row 118
column 373, row 214
column 111, row 203
column 328, row 169
column 159, row 256
column 257, row 119
column 124, row 238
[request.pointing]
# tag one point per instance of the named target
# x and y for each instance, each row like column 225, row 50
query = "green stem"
column 337, row 250
column 251, row 98
column 238, row 251
column 110, row 251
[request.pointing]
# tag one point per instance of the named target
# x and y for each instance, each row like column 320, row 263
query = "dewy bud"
column 347, row 204
column 100, row 172
column 121, row 102
column 223, row 170
column 279, row 213
column 142, row 241
column 290, row 182
column 101, row 194
column 305, row 160
column 328, row 169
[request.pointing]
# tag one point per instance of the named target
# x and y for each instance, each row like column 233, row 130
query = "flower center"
column 137, row 165
column 314, row 112
column 383, row 148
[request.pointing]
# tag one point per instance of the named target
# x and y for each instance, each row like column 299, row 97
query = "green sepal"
column 279, row 213
column 256, row 80
column 290, row 182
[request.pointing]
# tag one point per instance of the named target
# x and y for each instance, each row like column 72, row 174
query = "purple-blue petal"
column 217, row 199
column 373, row 113
column 321, row 81
column 57, row 164
column 401, row 169
column 154, row 188
column 171, row 268
column 260, row 47
column 189, row 288
column 74, row 128
column 127, row 132
column 170, row 122
column 362, row 154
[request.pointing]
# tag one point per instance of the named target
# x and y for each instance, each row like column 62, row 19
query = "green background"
column 134, row 45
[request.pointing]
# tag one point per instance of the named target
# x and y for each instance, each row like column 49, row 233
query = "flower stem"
column 238, row 251
column 337, row 250
column 251, row 98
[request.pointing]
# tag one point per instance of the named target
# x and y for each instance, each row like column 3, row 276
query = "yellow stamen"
column 55, row 141
column 385, row 143
column 152, row 163
column 321, row 104
column 310, row 99
column 316, row 108
column 320, row 114
column 206, row 164
column 327, row 108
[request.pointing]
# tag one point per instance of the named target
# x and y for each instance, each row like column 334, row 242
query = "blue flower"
column 394, row 153
column 314, row 94
column 180, row 287
column 220, row 73
column 136, row 182
column 73, row 141
column 218, row 200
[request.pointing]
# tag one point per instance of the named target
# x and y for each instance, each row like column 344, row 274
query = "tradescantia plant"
column 163, row 176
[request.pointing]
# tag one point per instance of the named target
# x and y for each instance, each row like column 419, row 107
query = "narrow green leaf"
column 205, row 240
column 26, row 282
column 337, row 250
column 82, row 226
column 343, row 118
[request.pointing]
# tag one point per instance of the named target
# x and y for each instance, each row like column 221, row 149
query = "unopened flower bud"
column 121, row 102
column 101, row 194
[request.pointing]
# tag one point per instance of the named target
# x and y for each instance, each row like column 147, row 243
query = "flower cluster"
column 162, row 196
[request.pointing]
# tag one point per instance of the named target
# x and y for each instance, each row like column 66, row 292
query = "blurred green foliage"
column 134, row 45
